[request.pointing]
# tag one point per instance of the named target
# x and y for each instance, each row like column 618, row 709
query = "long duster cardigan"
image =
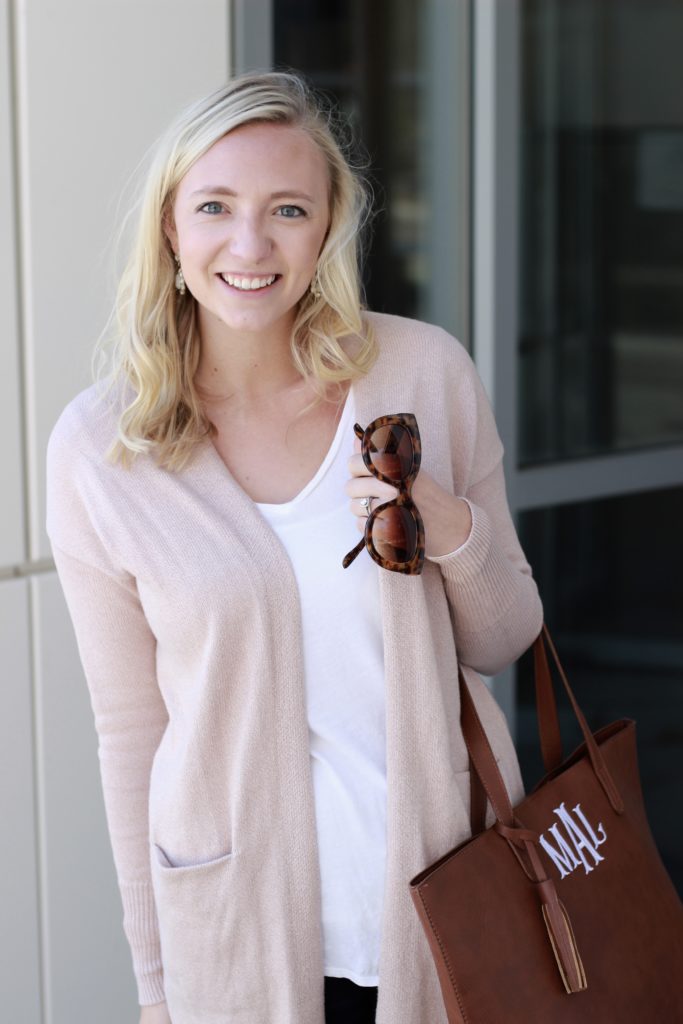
column 186, row 614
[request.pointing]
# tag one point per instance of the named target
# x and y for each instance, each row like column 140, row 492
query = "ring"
column 365, row 502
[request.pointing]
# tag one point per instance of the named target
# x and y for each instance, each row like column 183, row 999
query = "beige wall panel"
column 19, row 930
column 11, row 506
column 98, row 81
column 88, row 976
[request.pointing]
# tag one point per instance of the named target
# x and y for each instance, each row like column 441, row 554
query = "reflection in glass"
column 391, row 67
column 601, row 344
column 610, row 576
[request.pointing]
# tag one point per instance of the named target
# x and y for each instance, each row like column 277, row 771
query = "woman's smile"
column 243, row 283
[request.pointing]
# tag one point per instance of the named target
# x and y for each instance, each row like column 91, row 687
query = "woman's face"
column 249, row 221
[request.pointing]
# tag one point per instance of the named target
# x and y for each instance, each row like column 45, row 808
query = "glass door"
column 599, row 367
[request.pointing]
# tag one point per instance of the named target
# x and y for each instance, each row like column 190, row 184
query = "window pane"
column 601, row 345
column 610, row 576
column 391, row 66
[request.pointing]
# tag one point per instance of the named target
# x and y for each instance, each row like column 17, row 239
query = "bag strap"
column 548, row 721
column 482, row 759
column 546, row 709
column 478, row 803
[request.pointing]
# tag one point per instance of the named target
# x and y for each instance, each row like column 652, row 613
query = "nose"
column 249, row 240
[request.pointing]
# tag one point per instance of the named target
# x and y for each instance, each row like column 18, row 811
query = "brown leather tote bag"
column 562, row 910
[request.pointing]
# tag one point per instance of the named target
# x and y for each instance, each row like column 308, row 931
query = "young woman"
column 279, row 736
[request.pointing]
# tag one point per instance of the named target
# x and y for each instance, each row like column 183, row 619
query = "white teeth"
column 247, row 284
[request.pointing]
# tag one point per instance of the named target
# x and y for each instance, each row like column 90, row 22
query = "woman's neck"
column 245, row 367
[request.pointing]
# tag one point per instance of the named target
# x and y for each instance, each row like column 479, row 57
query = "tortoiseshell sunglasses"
column 394, row 531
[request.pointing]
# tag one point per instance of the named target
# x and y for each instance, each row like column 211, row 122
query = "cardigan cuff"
column 142, row 931
column 478, row 569
column 466, row 559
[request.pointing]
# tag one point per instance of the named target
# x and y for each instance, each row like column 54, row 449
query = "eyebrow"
column 221, row 190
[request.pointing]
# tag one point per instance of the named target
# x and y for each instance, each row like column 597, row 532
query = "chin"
column 253, row 324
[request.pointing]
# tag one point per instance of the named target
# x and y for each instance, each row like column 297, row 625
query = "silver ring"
column 365, row 502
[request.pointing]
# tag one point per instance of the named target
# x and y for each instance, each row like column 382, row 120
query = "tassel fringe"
column 564, row 945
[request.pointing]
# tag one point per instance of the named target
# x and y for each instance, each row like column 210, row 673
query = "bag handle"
column 548, row 721
column 482, row 757
column 546, row 710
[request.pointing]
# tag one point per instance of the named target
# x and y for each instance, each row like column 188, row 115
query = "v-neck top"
column 344, row 682
column 189, row 623
column 343, row 431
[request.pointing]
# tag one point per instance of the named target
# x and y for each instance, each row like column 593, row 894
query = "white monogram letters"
column 580, row 844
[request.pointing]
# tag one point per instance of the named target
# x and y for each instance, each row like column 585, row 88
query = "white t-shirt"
column 344, row 679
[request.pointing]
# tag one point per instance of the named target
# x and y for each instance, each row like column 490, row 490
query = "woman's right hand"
column 156, row 1014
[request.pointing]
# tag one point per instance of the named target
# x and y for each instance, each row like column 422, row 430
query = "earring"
column 179, row 279
column 315, row 286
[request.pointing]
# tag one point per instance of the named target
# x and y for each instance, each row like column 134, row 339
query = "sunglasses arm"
column 353, row 554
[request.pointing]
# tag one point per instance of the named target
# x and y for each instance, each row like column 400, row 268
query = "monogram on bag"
column 562, row 911
column 579, row 844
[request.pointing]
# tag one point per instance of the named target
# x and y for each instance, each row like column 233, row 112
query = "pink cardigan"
column 186, row 614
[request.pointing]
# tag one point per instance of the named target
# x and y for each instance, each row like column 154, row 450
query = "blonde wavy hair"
column 154, row 330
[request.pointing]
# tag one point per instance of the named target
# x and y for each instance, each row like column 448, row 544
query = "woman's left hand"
column 447, row 519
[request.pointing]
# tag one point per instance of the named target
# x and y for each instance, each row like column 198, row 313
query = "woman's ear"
column 327, row 235
column 169, row 230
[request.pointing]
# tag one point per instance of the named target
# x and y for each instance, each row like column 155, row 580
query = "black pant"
column 348, row 1003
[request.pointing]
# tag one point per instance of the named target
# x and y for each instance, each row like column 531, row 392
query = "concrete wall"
column 85, row 88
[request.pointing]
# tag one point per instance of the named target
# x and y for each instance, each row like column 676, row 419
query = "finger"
column 361, row 512
column 357, row 467
column 362, row 486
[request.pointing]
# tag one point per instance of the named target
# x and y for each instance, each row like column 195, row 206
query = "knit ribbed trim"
column 464, row 564
column 142, row 931
column 477, row 569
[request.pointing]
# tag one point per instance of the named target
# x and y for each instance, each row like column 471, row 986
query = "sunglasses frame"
column 404, row 499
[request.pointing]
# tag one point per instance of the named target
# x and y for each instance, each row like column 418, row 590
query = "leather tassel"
column 563, row 942
column 558, row 925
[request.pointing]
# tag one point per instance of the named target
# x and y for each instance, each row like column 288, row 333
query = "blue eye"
column 291, row 212
column 213, row 203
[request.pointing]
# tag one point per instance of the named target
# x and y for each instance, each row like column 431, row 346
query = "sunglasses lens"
column 394, row 534
column 391, row 451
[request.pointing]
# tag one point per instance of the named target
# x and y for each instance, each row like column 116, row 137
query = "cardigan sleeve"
column 118, row 654
column 495, row 606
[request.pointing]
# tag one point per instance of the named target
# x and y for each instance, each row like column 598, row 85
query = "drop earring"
column 179, row 278
column 315, row 286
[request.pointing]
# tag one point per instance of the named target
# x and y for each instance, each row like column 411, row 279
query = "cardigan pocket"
column 199, row 907
column 165, row 864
